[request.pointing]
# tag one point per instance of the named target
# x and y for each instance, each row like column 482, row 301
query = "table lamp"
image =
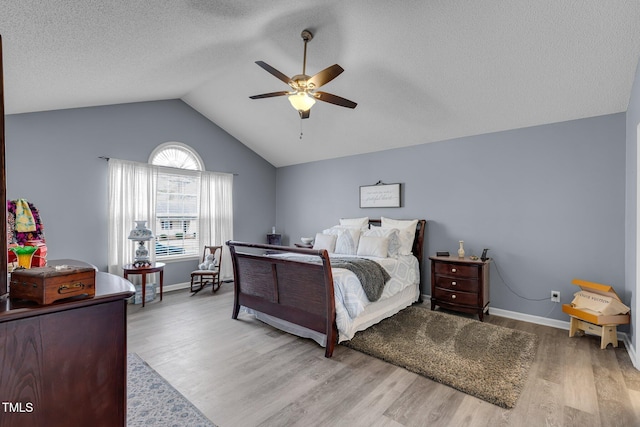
column 141, row 234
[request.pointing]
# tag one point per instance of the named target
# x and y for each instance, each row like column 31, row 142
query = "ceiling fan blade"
column 273, row 71
column 305, row 114
column 270, row 95
column 334, row 99
column 325, row 76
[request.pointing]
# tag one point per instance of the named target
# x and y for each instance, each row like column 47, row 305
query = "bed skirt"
column 372, row 314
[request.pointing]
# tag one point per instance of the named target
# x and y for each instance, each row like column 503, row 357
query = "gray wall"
column 549, row 202
column 633, row 119
column 52, row 161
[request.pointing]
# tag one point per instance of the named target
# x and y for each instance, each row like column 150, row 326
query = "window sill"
column 170, row 260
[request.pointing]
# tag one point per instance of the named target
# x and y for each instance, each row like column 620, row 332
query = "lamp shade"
column 301, row 101
column 141, row 232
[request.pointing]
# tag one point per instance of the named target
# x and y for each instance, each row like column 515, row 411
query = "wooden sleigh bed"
column 301, row 294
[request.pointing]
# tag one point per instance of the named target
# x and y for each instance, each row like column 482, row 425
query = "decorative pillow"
column 373, row 246
column 355, row 222
column 346, row 239
column 393, row 234
column 398, row 223
column 325, row 241
column 407, row 232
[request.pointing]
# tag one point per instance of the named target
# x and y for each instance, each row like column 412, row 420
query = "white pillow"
column 325, row 241
column 373, row 246
column 393, row 234
column 398, row 223
column 355, row 222
column 346, row 239
column 407, row 232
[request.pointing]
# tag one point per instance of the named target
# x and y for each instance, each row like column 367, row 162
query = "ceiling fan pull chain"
column 301, row 128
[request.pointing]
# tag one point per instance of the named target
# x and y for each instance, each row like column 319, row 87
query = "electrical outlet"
column 555, row 296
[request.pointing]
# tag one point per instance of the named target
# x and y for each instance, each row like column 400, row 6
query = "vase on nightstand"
column 461, row 249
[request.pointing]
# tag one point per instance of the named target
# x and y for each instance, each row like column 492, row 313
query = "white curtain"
column 216, row 215
column 132, row 197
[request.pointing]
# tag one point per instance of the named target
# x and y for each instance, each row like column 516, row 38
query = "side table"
column 156, row 267
column 460, row 284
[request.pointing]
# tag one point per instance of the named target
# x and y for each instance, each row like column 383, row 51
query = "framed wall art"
column 380, row 196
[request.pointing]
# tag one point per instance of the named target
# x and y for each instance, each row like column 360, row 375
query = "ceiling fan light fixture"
column 301, row 101
column 303, row 92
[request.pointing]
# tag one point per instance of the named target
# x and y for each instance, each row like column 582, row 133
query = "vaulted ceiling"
column 420, row 71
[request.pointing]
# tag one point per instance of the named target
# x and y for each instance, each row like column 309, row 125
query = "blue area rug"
column 152, row 401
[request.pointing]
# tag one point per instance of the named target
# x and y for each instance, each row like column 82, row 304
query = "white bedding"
column 354, row 311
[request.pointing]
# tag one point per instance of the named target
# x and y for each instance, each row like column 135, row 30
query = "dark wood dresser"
column 460, row 284
column 65, row 364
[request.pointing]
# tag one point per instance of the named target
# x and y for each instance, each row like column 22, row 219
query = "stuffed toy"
column 209, row 263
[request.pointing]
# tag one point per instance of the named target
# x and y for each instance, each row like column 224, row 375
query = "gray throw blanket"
column 372, row 275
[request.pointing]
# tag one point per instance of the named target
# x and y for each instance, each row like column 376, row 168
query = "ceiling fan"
column 304, row 88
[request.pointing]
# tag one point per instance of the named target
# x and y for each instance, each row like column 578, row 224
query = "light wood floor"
column 244, row 373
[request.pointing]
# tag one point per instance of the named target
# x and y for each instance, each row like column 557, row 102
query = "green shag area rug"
column 152, row 401
column 486, row 361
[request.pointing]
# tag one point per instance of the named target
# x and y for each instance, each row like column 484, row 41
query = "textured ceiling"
column 420, row 71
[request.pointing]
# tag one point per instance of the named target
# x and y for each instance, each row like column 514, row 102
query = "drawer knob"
column 453, row 297
column 453, row 283
column 453, row 270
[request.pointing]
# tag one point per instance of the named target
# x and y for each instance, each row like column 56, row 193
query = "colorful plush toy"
column 24, row 228
column 16, row 234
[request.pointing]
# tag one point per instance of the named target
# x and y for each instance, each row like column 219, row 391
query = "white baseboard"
column 545, row 321
column 554, row 323
column 626, row 339
column 176, row 287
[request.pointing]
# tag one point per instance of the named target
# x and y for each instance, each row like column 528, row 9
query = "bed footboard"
column 296, row 291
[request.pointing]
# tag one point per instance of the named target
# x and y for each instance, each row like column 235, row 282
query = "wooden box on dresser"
column 64, row 364
column 460, row 284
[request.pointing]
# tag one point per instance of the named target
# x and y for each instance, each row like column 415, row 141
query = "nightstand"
column 460, row 284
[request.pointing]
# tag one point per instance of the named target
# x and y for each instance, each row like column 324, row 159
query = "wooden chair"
column 201, row 278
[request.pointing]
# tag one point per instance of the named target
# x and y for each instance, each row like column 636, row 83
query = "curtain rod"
column 109, row 158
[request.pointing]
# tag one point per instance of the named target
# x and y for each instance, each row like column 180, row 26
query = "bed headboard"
column 418, row 241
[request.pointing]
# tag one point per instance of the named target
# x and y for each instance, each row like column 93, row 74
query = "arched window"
column 177, row 200
column 176, row 155
column 185, row 205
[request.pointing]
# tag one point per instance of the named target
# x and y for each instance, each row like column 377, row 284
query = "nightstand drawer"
column 457, row 284
column 453, row 297
column 457, row 270
column 460, row 284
